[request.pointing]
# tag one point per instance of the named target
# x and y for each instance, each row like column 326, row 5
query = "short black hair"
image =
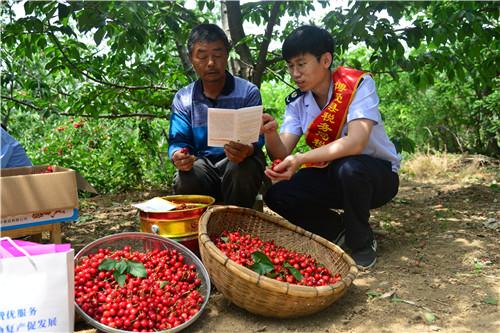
column 207, row 32
column 307, row 39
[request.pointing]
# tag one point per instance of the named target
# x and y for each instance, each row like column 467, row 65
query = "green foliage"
column 93, row 58
column 439, row 117
column 122, row 268
column 273, row 99
column 113, row 155
column 262, row 264
column 273, row 96
column 446, row 50
column 295, row 272
column 422, row 37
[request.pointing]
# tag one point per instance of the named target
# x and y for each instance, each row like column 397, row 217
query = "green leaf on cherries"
column 121, row 266
column 163, row 284
column 225, row 239
column 262, row 264
column 137, row 269
column 119, row 278
column 107, row 264
column 294, row 271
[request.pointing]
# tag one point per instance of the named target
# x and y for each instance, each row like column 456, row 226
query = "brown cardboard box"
column 27, row 193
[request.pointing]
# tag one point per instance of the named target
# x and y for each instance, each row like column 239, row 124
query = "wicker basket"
column 260, row 294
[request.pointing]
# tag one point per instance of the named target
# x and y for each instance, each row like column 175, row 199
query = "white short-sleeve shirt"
column 302, row 111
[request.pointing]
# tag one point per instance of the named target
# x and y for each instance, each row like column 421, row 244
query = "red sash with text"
column 327, row 127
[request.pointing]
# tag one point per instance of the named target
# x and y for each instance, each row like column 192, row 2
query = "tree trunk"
column 261, row 58
column 234, row 66
column 186, row 62
column 231, row 17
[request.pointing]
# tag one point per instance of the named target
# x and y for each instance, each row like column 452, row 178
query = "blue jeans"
column 354, row 184
column 228, row 182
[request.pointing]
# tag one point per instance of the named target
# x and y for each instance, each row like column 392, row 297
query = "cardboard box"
column 31, row 197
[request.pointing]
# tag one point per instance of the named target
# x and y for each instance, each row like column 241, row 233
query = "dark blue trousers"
column 354, row 184
column 227, row 182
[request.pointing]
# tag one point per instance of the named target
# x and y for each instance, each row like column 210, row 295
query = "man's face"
column 307, row 70
column 209, row 60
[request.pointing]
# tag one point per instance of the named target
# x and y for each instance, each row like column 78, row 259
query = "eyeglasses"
column 300, row 67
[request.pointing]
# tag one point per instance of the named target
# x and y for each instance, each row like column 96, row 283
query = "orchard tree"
column 116, row 59
column 457, row 41
column 127, row 59
column 94, row 58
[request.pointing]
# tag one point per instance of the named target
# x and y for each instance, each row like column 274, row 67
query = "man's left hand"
column 237, row 152
column 284, row 170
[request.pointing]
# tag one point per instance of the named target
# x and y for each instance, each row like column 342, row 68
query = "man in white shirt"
column 352, row 164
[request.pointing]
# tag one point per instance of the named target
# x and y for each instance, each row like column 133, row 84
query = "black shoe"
column 366, row 257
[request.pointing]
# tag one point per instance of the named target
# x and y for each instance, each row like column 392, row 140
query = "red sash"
column 327, row 127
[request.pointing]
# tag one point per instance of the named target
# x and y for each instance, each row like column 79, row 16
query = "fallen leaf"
column 429, row 317
column 490, row 300
column 373, row 294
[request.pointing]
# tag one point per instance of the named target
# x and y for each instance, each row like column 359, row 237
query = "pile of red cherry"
column 274, row 261
column 139, row 292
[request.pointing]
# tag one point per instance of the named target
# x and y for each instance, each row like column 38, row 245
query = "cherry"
column 49, row 169
column 288, row 266
column 184, row 150
column 167, row 297
column 275, row 163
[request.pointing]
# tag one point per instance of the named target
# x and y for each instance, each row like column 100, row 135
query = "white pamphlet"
column 238, row 125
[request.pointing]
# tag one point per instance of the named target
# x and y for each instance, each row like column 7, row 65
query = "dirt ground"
column 438, row 266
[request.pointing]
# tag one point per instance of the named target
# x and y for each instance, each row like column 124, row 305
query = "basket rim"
column 266, row 282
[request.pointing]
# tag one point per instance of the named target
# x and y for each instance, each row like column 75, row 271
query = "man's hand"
column 237, row 152
column 284, row 170
column 269, row 124
column 183, row 160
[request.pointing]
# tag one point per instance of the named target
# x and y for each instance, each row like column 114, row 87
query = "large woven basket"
column 260, row 294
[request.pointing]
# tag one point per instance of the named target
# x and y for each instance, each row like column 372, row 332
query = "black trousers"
column 355, row 184
column 228, row 182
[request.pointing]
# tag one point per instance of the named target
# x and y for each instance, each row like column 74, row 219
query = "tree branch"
column 273, row 61
column 261, row 58
column 235, row 23
column 109, row 116
column 90, row 77
column 116, row 116
column 280, row 78
column 28, row 104
column 183, row 54
column 384, row 72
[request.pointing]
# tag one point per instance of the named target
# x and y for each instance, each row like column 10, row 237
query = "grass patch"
column 436, row 167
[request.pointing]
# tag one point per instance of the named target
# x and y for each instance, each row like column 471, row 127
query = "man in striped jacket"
column 231, row 174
